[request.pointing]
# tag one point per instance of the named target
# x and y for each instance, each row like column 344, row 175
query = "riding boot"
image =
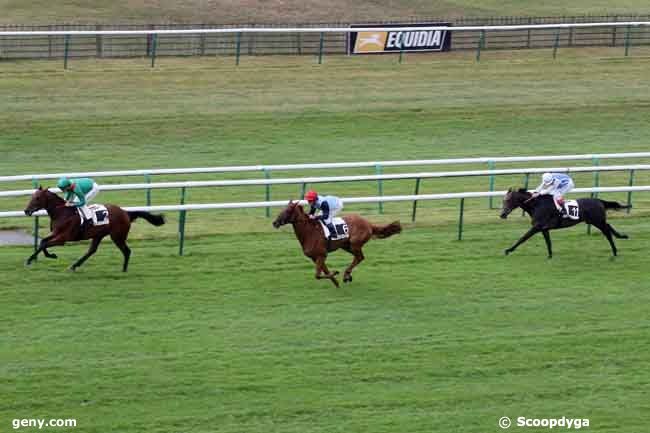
column 332, row 230
column 82, row 229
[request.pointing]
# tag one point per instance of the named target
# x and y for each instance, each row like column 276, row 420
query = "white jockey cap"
column 547, row 178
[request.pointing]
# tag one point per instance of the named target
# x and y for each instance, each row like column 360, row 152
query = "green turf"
column 433, row 335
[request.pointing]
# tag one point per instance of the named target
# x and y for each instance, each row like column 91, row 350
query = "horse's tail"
column 382, row 232
column 154, row 219
column 615, row 205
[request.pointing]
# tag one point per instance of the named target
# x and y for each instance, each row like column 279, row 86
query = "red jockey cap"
column 311, row 195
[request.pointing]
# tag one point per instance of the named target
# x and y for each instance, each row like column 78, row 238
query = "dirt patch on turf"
column 15, row 237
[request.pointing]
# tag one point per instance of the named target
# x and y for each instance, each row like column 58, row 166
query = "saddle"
column 340, row 226
column 99, row 214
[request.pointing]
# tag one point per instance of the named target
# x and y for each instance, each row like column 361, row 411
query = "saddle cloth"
column 572, row 209
column 99, row 213
column 341, row 229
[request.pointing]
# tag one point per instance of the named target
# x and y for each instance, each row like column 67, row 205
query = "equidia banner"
column 391, row 41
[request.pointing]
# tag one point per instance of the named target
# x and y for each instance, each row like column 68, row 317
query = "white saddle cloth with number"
column 341, row 229
column 572, row 209
column 99, row 213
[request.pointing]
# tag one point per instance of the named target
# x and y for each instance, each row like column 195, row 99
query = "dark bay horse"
column 314, row 245
column 65, row 223
column 545, row 216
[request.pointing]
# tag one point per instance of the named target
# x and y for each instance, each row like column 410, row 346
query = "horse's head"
column 512, row 200
column 288, row 215
column 37, row 202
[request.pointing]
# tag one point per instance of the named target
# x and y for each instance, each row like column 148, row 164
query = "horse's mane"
column 53, row 195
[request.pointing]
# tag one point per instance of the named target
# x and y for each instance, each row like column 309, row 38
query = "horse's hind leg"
column 94, row 244
column 547, row 238
column 617, row 234
column 119, row 240
column 358, row 258
column 606, row 229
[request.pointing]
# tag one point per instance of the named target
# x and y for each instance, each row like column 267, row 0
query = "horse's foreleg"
column 91, row 250
column 49, row 255
column 547, row 238
column 523, row 239
column 358, row 258
column 322, row 267
column 46, row 242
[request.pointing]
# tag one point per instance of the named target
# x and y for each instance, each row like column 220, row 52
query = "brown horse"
column 65, row 224
column 314, row 245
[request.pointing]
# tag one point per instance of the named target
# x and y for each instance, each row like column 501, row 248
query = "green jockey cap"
column 64, row 182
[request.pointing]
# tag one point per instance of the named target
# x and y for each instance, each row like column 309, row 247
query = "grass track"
column 245, row 340
column 432, row 335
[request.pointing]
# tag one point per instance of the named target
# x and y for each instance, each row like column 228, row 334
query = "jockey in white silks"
column 328, row 205
column 555, row 185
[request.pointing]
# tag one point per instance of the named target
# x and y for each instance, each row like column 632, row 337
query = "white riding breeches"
column 89, row 196
column 333, row 213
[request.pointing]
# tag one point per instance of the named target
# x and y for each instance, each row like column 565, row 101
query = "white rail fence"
column 491, row 161
column 377, row 165
column 236, row 33
column 332, row 179
column 267, row 204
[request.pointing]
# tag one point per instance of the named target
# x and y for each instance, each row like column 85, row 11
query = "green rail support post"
column 614, row 29
column 237, row 48
column 415, row 202
column 530, row 21
column 526, row 183
column 570, row 43
column 147, row 179
column 401, row 56
column 481, row 44
column 154, row 45
column 181, row 224
column 299, row 43
column 66, row 51
column 320, row 48
column 460, row 219
column 629, row 193
column 556, row 44
column 380, row 188
column 35, row 185
column 491, row 187
column 627, row 40
column 267, row 191
column 303, row 190
column 596, row 163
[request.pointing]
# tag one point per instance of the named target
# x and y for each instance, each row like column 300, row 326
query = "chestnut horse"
column 315, row 246
column 65, row 225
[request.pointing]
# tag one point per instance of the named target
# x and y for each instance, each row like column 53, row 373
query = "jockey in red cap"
column 329, row 207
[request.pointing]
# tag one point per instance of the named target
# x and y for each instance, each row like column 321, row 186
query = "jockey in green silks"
column 77, row 193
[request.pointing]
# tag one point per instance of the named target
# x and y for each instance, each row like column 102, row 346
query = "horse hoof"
column 52, row 256
column 72, row 269
column 347, row 279
column 28, row 262
column 336, row 283
column 335, row 273
column 506, row 252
